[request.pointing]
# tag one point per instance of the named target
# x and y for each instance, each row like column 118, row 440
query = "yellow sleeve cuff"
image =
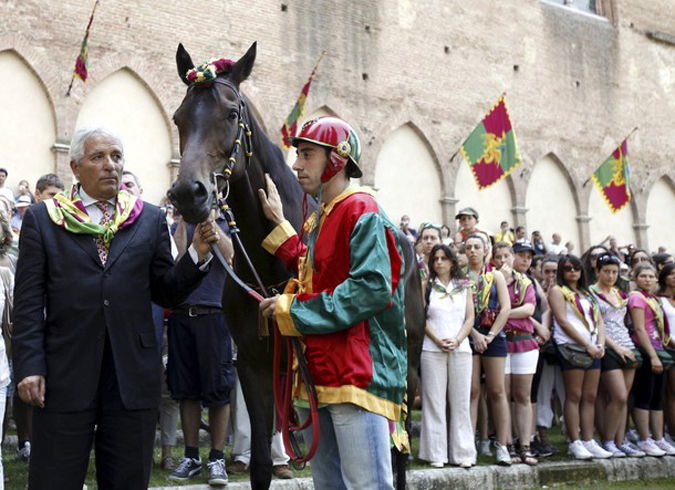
column 278, row 236
column 282, row 314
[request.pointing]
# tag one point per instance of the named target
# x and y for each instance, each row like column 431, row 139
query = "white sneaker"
column 594, row 448
column 631, row 450
column 436, row 464
column 650, row 449
column 502, row 455
column 484, row 447
column 578, row 451
column 611, row 447
column 663, row 445
column 669, row 439
column 632, row 437
column 23, row 454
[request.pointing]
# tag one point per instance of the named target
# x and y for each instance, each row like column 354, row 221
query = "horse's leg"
column 256, row 382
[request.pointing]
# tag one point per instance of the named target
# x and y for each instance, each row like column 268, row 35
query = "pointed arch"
column 47, row 75
column 28, row 132
column 145, row 74
column 126, row 104
column 550, row 178
column 659, row 214
column 407, row 176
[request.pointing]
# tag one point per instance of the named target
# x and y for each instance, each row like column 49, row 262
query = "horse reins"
column 282, row 382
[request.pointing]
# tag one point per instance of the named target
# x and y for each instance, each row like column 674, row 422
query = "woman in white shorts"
column 521, row 347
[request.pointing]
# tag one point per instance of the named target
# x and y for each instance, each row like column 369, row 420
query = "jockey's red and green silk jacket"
column 349, row 307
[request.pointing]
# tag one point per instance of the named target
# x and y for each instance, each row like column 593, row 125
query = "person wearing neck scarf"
column 616, row 379
column 488, row 341
column 577, row 321
column 85, row 350
column 667, row 297
column 522, row 348
column 652, row 336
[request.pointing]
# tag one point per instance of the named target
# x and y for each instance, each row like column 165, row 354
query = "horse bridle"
column 242, row 140
column 282, row 389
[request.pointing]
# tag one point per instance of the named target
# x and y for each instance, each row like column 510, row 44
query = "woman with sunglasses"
column 577, row 322
column 488, row 342
column 522, row 348
column 446, row 364
column 667, row 297
column 652, row 336
column 617, row 373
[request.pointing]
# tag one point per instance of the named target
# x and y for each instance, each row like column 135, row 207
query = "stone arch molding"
column 427, row 135
column 407, row 176
column 136, row 66
column 47, row 74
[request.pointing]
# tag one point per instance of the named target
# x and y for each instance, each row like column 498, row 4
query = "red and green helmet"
column 333, row 132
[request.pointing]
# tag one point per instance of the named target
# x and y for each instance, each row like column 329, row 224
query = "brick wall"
column 576, row 84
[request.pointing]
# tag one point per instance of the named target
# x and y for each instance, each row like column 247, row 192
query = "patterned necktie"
column 105, row 220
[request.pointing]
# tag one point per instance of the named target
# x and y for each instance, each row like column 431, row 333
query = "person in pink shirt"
column 651, row 335
column 521, row 347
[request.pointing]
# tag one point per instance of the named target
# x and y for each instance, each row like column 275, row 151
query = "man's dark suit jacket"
column 65, row 300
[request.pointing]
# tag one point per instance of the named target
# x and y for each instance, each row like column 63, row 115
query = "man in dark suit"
column 85, row 350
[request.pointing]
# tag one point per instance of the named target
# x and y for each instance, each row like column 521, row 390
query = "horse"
column 208, row 121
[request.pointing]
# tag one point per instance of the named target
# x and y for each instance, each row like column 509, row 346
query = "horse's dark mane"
column 272, row 159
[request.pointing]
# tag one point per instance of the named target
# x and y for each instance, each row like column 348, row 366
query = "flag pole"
column 452, row 158
column 86, row 36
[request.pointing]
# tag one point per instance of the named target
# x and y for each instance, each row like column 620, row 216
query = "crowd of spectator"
column 584, row 338
column 519, row 330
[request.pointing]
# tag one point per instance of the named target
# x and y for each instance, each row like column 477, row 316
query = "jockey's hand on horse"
column 271, row 202
column 268, row 305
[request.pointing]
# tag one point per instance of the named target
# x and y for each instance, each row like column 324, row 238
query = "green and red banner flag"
column 82, row 62
column 613, row 178
column 491, row 149
column 290, row 127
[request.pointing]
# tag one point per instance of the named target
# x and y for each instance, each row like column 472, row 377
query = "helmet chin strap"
column 315, row 231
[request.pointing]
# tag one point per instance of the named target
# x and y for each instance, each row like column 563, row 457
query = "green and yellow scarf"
column 67, row 211
column 574, row 300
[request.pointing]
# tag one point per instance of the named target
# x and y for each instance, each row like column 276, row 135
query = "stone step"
column 517, row 477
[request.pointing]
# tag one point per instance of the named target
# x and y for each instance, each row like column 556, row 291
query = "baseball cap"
column 467, row 212
column 522, row 246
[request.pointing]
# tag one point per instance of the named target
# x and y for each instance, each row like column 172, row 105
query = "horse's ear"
column 242, row 69
column 184, row 63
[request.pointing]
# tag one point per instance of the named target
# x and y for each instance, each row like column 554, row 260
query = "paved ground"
column 517, row 477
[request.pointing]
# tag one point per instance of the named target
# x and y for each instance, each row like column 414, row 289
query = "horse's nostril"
column 199, row 190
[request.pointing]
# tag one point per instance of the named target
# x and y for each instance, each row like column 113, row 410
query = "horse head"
column 213, row 131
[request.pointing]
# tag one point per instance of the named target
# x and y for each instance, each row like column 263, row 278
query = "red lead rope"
column 283, row 383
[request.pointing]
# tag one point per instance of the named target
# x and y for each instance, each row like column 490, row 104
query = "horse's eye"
column 233, row 115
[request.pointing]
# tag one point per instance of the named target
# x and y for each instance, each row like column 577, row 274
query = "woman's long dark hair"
column 589, row 272
column 665, row 272
column 582, row 284
column 456, row 271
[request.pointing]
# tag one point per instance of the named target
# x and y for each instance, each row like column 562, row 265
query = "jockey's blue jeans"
column 354, row 449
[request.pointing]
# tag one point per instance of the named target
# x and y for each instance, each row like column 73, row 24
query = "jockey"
column 346, row 304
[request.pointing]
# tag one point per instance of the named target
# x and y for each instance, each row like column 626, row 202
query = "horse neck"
column 246, row 207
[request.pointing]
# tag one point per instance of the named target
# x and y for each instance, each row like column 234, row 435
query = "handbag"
column 666, row 359
column 664, row 356
column 625, row 364
column 576, row 355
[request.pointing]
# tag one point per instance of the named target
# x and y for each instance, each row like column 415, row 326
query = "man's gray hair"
column 81, row 136
column 135, row 177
